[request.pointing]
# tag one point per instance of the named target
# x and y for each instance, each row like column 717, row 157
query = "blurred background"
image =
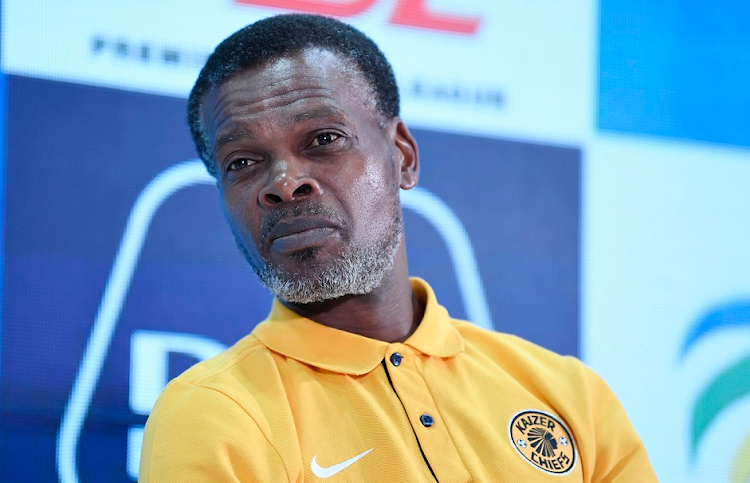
column 586, row 185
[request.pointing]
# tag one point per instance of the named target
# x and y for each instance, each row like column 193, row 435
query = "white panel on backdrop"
column 512, row 68
column 666, row 242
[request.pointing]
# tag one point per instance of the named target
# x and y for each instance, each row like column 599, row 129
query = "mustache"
column 306, row 209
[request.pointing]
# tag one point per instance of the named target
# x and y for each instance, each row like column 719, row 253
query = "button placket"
column 436, row 443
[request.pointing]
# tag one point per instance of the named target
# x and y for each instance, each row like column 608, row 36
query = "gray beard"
column 355, row 270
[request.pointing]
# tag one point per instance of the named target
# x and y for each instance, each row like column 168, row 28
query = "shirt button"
column 396, row 359
column 427, row 420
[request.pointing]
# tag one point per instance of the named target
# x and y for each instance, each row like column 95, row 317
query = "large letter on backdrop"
column 338, row 9
column 414, row 13
column 410, row 13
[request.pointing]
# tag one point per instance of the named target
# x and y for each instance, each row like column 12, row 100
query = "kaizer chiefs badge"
column 543, row 440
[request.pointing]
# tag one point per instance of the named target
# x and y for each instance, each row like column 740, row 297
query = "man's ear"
column 407, row 155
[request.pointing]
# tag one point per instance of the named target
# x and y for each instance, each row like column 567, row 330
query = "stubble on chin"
column 352, row 271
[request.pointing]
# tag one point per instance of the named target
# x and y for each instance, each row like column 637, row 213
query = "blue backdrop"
column 78, row 157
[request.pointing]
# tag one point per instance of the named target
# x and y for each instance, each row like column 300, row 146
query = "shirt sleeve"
column 620, row 454
column 199, row 434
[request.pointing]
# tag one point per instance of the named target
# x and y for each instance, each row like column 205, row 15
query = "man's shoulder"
column 233, row 379
column 472, row 333
column 515, row 353
column 227, row 366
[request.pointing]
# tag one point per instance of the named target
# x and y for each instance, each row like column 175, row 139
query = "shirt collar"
column 302, row 339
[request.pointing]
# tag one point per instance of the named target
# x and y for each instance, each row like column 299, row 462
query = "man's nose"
column 286, row 183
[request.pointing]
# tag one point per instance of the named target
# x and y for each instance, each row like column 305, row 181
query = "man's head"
column 302, row 134
column 282, row 36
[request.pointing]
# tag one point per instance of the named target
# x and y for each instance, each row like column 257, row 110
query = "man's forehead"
column 307, row 75
column 309, row 67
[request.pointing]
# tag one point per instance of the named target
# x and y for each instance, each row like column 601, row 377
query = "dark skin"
column 305, row 130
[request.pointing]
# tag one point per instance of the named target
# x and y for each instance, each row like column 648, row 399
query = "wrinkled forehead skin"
column 313, row 73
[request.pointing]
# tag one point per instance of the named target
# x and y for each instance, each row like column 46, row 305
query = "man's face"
column 309, row 174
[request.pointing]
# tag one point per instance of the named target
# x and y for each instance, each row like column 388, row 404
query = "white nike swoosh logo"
column 321, row 472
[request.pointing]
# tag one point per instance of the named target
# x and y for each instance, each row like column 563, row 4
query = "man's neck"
column 390, row 313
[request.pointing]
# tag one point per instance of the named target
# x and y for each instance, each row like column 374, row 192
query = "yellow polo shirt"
column 298, row 401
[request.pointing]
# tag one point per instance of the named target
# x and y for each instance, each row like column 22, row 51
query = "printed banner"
column 519, row 69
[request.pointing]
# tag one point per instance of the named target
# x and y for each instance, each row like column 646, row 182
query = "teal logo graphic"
column 727, row 387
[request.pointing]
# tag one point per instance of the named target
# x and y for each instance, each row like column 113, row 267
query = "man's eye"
column 239, row 164
column 325, row 138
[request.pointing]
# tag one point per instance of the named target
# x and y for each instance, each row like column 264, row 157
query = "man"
column 357, row 374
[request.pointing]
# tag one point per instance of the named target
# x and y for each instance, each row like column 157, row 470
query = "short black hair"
column 283, row 35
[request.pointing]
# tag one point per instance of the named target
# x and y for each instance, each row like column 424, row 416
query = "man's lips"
column 299, row 233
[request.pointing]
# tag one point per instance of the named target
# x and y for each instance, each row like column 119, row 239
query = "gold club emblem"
column 543, row 440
